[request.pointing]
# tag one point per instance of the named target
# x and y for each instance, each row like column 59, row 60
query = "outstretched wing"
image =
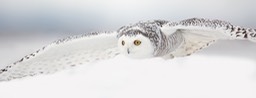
column 64, row 53
column 200, row 33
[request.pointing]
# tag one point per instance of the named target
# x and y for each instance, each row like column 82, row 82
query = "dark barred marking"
column 246, row 36
column 233, row 31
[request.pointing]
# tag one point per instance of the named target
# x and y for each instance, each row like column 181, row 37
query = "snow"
column 224, row 70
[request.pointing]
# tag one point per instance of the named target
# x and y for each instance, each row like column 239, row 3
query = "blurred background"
column 76, row 16
column 26, row 25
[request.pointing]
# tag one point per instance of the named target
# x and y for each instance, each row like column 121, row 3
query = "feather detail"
column 200, row 33
column 192, row 44
column 64, row 53
column 214, row 28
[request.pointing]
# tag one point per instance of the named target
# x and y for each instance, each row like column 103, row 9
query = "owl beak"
column 128, row 51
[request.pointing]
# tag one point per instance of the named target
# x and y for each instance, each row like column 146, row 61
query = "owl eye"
column 137, row 42
column 123, row 43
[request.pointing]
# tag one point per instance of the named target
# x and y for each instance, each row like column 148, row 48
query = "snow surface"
column 224, row 70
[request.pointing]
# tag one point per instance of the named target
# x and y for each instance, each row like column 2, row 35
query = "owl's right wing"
column 64, row 53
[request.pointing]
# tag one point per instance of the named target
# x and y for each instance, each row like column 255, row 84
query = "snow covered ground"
column 224, row 70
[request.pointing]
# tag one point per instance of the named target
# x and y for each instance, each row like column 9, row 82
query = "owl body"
column 141, row 40
column 155, row 42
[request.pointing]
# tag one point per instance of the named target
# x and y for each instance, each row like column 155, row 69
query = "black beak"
column 128, row 51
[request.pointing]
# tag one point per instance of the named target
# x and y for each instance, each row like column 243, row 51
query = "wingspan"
column 64, row 53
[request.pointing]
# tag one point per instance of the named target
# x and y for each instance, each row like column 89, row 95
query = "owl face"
column 137, row 46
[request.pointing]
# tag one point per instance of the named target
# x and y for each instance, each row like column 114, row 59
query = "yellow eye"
column 137, row 42
column 123, row 43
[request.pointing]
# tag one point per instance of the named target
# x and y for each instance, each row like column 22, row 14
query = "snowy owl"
column 157, row 38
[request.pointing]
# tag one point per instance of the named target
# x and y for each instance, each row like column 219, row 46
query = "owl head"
column 140, row 40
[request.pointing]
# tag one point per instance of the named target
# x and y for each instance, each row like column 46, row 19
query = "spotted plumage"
column 147, row 39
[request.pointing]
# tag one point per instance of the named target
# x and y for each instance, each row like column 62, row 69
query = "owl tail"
column 243, row 33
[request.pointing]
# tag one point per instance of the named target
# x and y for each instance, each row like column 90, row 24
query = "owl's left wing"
column 64, row 53
column 200, row 33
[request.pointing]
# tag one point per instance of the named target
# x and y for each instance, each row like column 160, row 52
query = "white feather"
column 62, row 54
